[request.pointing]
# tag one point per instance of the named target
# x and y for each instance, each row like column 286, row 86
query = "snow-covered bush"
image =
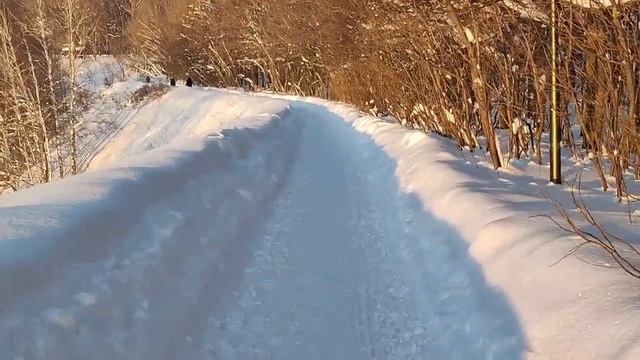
column 148, row 92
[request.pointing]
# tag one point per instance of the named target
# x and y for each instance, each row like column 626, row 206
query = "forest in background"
column 462, row 69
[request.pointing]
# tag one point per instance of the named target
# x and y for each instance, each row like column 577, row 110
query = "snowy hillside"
column 220, row 225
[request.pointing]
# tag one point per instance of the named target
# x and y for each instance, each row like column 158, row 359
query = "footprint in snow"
column 245, row 194
column 60, row 317
column 85, row 299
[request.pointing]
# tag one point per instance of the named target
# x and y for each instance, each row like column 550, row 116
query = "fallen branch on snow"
column 601, row 237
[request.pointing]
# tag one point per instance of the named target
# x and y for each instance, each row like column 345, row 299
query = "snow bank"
column 183, row 113
column 104, row 253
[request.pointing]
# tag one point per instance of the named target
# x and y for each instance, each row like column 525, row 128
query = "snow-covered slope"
column 221, row 225
column 184, row 114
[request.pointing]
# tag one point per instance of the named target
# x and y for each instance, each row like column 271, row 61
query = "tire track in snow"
column 352, row 285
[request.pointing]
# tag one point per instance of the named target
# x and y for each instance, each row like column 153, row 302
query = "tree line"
column 460, row 68
column 41, row 102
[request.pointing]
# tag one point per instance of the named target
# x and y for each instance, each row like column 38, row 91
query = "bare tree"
column 74, row 20
column 23, row 132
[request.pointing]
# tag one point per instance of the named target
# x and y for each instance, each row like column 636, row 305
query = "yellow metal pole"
column 556, row 175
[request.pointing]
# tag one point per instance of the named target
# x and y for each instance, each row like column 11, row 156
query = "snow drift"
column 83, row 258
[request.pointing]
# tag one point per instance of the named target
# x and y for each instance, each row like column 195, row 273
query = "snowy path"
column 348, row 268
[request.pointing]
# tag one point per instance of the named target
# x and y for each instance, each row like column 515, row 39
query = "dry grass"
column 148, row 92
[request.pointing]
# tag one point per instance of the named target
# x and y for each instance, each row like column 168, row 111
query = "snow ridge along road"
column 258, row 229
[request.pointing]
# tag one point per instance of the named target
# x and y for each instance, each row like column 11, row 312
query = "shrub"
column 148, row 92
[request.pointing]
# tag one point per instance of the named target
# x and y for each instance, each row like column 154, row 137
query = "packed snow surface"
column 220, row 225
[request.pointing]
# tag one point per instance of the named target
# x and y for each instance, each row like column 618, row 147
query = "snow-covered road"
column 287, row 237
column 348, row 267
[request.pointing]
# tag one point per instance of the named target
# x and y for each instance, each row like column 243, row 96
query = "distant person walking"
column 172, row 82
column 189, row 82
